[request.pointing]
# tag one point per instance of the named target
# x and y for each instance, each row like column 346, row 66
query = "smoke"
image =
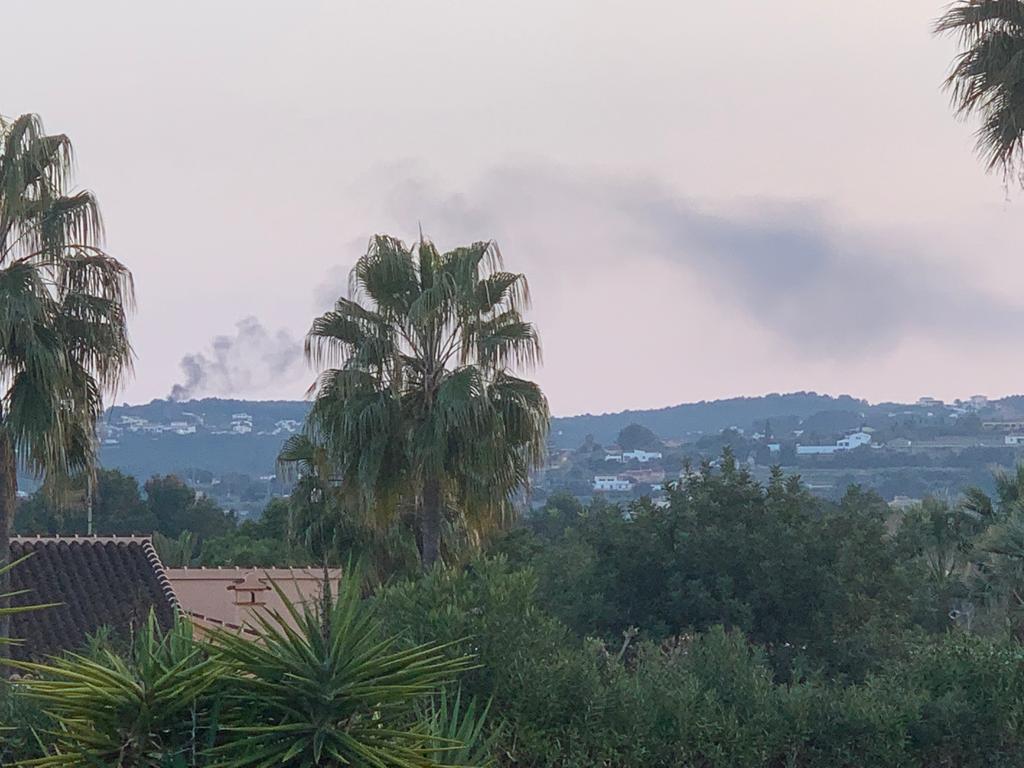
column 245, row 363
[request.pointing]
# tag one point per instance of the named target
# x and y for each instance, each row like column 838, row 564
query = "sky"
column 708, row 199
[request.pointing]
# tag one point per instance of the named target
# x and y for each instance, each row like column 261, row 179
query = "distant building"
column 611, row 483
column 616, row 457
column 903, row 502
column 1003, row 426
column 929, row 402
column 774, row 448
column 642, row 456
column 848, row 443
column 1014, row 440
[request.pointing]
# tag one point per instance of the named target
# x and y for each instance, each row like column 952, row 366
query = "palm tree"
column 988, row 76
column 420, row 411
column 63, row 300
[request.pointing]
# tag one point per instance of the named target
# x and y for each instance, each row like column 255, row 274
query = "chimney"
column 249, row 591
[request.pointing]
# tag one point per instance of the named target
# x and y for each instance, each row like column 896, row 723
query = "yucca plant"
column 458, row 730
column 144, row 710
column 323, row 686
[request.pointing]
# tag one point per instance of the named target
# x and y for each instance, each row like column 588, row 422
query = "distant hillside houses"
column 611, row 483
column 848, row 443
column 641, row 456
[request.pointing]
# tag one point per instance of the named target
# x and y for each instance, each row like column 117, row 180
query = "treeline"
column 743, row 625
column 188, row 527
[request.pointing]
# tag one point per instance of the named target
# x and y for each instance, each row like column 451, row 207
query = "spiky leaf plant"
column 460, row 737
column 323, row 686
column 144, row 710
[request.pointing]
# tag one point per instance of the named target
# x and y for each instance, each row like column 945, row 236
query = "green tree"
column 987, row 78
column 176, row 508
column 63, row 300
column 421, row 410
column 118, row 507
column 637, row 436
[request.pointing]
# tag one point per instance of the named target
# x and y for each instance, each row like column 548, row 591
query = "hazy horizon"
column 704, row 208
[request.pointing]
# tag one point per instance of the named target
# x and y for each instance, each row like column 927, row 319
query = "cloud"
column 823, row 288
column 242, row 364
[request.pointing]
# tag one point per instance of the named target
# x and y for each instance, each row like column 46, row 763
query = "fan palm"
column 63, row 300
column 420, row 410
column 988, row 76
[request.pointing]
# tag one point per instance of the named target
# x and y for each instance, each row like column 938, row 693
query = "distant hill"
column 220, row 436
column 707, row 416
column 244, row 436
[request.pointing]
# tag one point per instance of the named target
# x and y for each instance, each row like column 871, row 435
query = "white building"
column 848, row 443
column 616, row 457
column 1014, row 440
column 856, row 440
column 611, row 483
column 774, row 448
column 642, row 456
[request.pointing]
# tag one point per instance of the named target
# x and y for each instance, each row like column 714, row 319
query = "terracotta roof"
column 99, row 582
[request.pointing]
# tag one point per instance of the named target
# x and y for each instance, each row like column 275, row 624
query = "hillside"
column 704, row 417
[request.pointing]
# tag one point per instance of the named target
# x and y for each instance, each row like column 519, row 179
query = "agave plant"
column 144, row 710
column 323, row 686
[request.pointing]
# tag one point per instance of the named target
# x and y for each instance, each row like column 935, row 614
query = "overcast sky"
column 709, row 199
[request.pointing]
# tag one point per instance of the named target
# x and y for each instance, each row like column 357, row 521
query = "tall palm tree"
column 420, row 410
column 63, row 300
column 988, row 76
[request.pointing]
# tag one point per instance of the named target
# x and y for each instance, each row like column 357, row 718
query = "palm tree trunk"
column 430, row 523
column 8, row 502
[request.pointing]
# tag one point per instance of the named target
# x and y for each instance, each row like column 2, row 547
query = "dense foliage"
column 321, row 685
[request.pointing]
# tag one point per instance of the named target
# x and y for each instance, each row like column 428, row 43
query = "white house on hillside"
column 642, row 456
column 848, row 443
column 611, row 483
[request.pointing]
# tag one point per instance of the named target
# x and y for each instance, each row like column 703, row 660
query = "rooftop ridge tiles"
column 161, row 575
column 76, row 537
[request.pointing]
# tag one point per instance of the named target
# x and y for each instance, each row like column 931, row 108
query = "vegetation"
column 141, row 709
column 987, row 79
column 729, row 623
column 319, row 686
column 63, row 301
column 422, row 415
